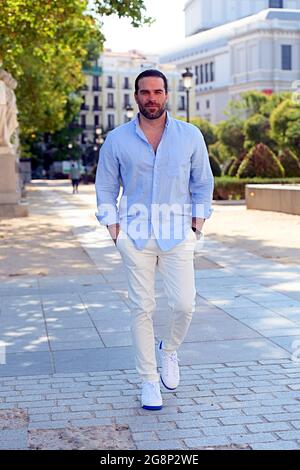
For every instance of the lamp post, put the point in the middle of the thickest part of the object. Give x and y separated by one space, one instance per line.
129 112
187 85
70 147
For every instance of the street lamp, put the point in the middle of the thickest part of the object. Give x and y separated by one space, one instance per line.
129 112
187 85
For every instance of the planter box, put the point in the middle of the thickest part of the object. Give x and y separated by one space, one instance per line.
274 197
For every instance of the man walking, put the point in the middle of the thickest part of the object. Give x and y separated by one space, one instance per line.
167 182
75 176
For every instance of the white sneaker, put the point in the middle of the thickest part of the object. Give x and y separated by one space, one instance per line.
151 396
169 368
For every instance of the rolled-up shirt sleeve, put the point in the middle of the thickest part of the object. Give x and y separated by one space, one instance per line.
201 180
107 184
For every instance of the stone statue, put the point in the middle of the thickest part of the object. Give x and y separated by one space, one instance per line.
8 108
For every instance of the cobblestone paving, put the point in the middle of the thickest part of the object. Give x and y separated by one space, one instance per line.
253 405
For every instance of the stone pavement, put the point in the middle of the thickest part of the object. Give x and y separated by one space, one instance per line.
68 356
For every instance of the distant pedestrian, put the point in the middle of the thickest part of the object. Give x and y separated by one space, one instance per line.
167 193
75 176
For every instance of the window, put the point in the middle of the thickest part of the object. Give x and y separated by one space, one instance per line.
83 121
110 82
198 106
181 106
96 83
197 74
111 121
206 73
126 100
275 3
83 138
212 71
201 74
286 57
96 120
126 83
110 100
207 104
96 102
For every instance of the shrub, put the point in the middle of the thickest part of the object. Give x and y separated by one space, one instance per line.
236 164
228 165
215 166
260 161
219 151
290 163
227 188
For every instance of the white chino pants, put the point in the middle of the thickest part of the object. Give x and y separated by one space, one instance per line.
177 269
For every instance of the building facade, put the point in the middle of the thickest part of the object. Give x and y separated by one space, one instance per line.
109 91
259 52
201 15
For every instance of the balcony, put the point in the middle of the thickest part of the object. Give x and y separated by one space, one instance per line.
110 106
97 88
84 107
127 86
97 108
95 70
181 108
127 105
110 85
180 88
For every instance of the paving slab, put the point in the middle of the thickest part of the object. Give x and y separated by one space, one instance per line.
70 341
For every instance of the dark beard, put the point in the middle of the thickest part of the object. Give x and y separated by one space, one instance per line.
152 116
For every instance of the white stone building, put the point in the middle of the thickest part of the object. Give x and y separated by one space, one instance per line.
257 52
110 88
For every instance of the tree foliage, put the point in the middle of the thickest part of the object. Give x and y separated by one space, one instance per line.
257 130
208 130
44 44
285 125
133 9
231 135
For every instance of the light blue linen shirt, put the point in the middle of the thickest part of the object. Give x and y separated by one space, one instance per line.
162 191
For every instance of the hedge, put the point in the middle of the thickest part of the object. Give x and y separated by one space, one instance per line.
229 188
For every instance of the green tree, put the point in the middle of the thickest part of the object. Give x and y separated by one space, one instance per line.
231 135
208 130
44 44
285 125
257 130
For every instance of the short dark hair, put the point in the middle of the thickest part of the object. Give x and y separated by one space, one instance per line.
150 73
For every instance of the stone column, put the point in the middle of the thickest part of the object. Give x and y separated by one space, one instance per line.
10 205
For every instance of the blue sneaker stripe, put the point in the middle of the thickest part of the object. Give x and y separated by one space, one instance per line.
168 388
153 408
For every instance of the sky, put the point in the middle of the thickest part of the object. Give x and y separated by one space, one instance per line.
167 30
